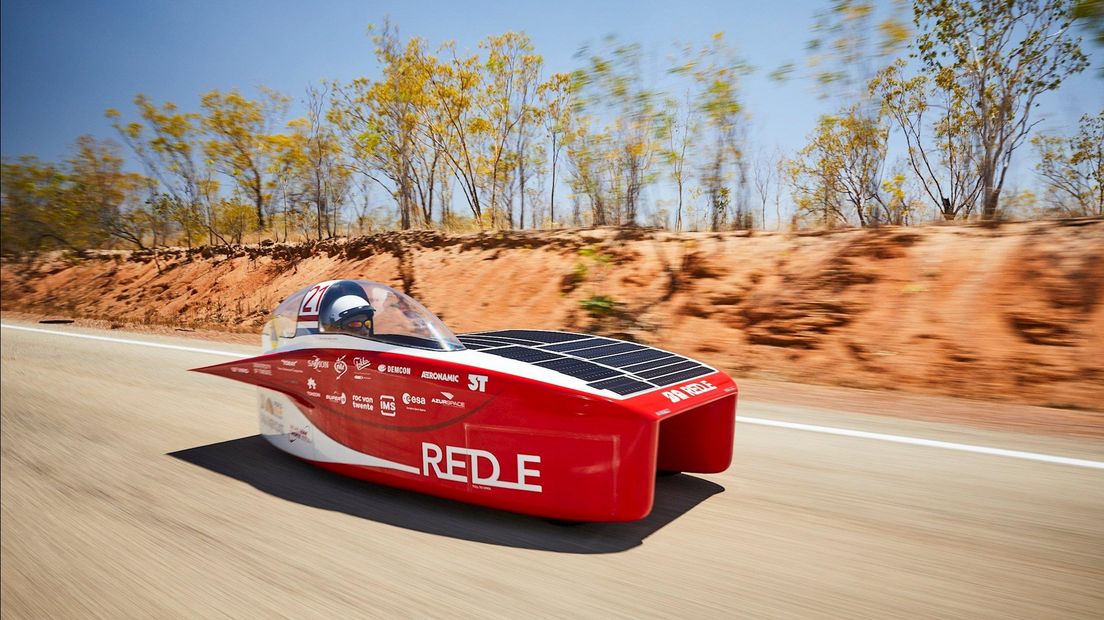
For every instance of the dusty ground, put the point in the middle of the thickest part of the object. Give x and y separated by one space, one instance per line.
133 488
1014 312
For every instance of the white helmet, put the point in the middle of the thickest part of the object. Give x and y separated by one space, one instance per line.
348 313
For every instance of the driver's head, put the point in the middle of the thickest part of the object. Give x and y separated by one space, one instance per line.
349 314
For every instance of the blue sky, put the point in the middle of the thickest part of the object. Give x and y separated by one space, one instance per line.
65 61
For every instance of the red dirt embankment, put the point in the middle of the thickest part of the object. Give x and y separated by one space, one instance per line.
1014 312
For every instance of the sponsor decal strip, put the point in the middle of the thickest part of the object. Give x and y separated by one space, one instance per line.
901 439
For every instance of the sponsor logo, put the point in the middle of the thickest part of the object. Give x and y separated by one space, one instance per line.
360 363
289 363
336 398
409 399
311 383
479 467
395 370
240 371
273 408
299 433
317 364
684 392
387 405
272 414
262 369
340 366
363 402
271 426
448 401
477 383
441 376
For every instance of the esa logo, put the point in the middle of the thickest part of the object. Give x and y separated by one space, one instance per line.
477 383
409 399
690 389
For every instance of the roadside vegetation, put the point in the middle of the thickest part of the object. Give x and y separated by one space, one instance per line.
487 139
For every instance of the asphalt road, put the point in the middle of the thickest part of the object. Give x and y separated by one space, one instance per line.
131 488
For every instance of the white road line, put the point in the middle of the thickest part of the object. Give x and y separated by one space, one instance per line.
812 428
930 443
142 343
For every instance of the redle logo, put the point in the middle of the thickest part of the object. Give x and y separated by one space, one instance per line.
690 389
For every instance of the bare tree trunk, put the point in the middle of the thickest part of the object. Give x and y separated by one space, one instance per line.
552 198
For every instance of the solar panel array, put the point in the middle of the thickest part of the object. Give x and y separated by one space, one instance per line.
604 363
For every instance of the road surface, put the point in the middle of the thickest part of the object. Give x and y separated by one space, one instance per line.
131 488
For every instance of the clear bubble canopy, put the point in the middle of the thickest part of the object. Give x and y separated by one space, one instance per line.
363 309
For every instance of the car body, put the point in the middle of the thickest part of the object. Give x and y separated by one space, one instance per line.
362 380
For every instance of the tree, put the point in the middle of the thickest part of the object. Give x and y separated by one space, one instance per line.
167 145
379 120
852 42
764 179
1073 167
679 130
612 87
104 199
30 220
239 139
85 202
309 168
556 107
454 124
994 59
716 70
840 169
941 151
511 70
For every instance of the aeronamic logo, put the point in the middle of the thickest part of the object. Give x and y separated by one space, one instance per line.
441 376
340 366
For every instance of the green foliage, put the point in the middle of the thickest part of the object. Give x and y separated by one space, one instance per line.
86 201
838 173
1073 167
598 306
993 60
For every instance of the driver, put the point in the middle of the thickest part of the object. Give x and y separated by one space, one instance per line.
349 313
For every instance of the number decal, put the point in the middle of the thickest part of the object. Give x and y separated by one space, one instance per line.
313 298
